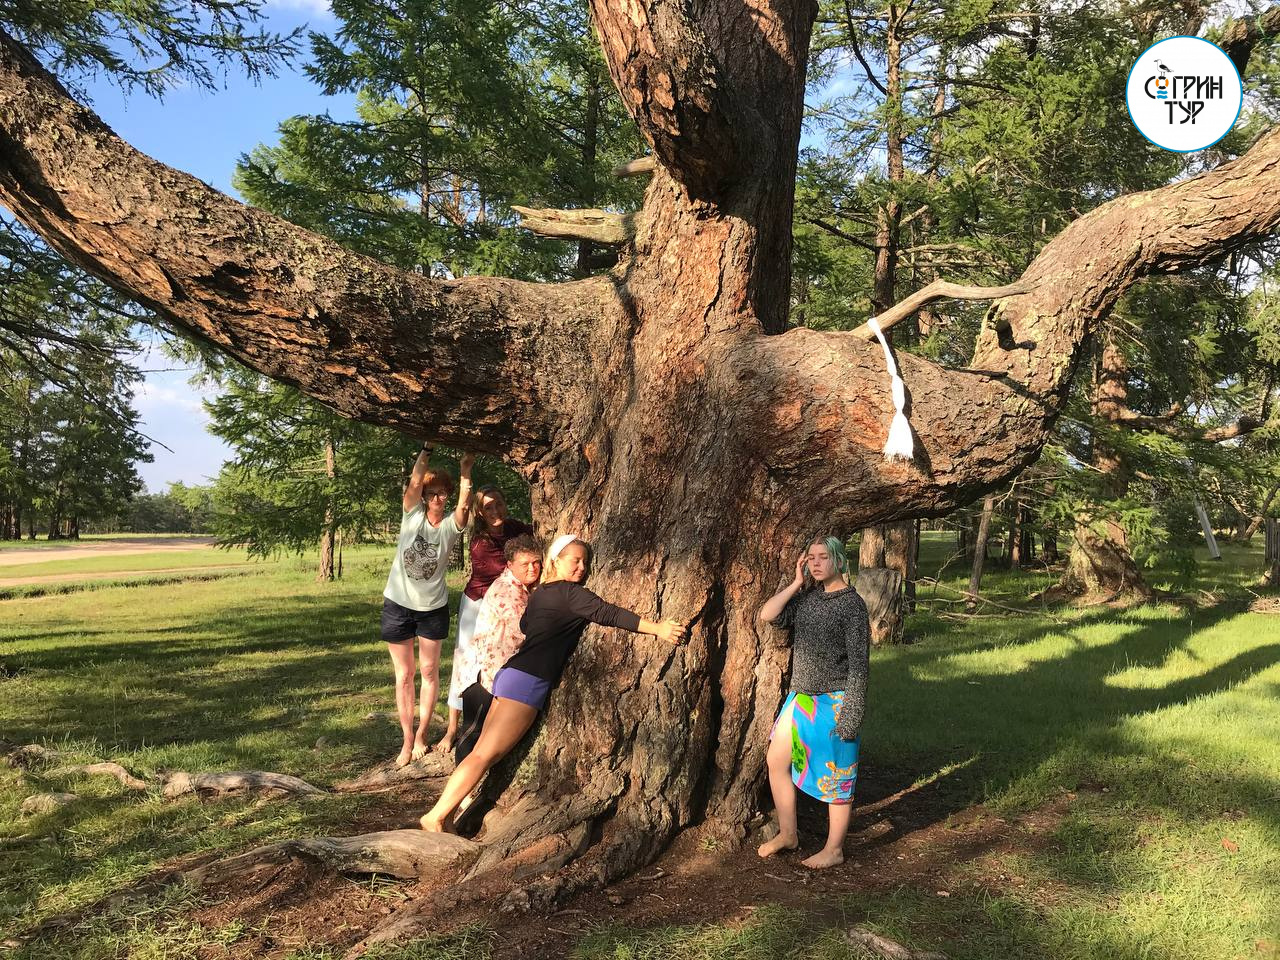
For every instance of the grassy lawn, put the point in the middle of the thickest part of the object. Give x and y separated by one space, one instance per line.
1161 724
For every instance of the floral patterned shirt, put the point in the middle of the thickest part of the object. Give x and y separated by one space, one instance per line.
497 635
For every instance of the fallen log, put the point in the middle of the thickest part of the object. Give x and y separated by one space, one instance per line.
241 781
405 854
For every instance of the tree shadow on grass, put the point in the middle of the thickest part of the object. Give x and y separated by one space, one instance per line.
233 683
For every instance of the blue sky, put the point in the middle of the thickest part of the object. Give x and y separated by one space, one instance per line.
204 133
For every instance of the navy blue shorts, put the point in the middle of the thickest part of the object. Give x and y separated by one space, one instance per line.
400 623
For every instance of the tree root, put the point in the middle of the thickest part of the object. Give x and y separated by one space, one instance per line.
46 803
889 949
549 844
387 775
405 854
102 769
243 781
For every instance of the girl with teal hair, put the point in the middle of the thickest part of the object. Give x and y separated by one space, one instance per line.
814 743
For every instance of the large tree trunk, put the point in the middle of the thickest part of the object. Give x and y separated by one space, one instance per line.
329 535
1248 533
892 546
980 552
1100 564
664 412
1272 552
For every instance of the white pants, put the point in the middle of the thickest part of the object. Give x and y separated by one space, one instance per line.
468 611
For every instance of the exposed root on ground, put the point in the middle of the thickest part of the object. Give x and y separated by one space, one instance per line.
241 781
387 775
397 853
889 949
101 770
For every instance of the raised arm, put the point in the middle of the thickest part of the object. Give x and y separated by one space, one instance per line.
413 492
773 607
462 512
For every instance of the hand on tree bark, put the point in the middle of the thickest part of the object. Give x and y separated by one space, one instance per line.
673 631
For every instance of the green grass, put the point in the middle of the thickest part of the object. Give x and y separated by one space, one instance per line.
242 673
1163 721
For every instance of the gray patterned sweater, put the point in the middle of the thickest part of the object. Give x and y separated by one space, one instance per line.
830 649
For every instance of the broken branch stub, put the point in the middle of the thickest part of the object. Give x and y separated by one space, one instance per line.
598 226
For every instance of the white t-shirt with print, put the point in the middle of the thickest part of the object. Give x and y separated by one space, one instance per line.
422 557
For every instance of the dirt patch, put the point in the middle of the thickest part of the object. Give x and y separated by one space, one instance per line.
913 837
113 574
81 550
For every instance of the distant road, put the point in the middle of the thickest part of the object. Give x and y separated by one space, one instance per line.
83 549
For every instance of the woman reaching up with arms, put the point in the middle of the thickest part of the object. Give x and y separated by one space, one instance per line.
553 623
416 601
814 744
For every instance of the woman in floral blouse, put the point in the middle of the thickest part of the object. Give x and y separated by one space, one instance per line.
497 636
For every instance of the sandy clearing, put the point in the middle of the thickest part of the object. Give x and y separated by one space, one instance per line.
114 574
99 548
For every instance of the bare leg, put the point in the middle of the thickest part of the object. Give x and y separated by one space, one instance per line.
451 734
778 760
838 826
507 722
429 665
402 661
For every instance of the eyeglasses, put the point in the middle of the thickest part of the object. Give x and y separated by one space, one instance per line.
437 495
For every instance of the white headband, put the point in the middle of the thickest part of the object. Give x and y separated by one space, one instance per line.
559 543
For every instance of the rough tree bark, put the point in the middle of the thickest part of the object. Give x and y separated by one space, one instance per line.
329 535
980 552
627 399
1100 562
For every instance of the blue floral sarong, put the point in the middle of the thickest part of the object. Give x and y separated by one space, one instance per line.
822 765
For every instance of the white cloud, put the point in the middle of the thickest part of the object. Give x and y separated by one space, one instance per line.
318 8
154 396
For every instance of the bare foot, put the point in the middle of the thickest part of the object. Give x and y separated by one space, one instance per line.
419 750
403 758
446 744
824 858
778 844
432 824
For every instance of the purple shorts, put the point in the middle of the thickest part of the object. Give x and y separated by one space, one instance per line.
511 684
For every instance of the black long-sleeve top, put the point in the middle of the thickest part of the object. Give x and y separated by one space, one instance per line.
553 623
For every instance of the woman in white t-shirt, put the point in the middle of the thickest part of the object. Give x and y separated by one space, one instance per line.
416 601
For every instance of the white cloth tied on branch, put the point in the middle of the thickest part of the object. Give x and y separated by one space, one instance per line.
901 444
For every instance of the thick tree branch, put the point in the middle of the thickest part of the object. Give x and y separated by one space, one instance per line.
1241 36
673 86
1169 426
454 360
975 428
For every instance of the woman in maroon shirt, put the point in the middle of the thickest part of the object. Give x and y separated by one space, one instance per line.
489 535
